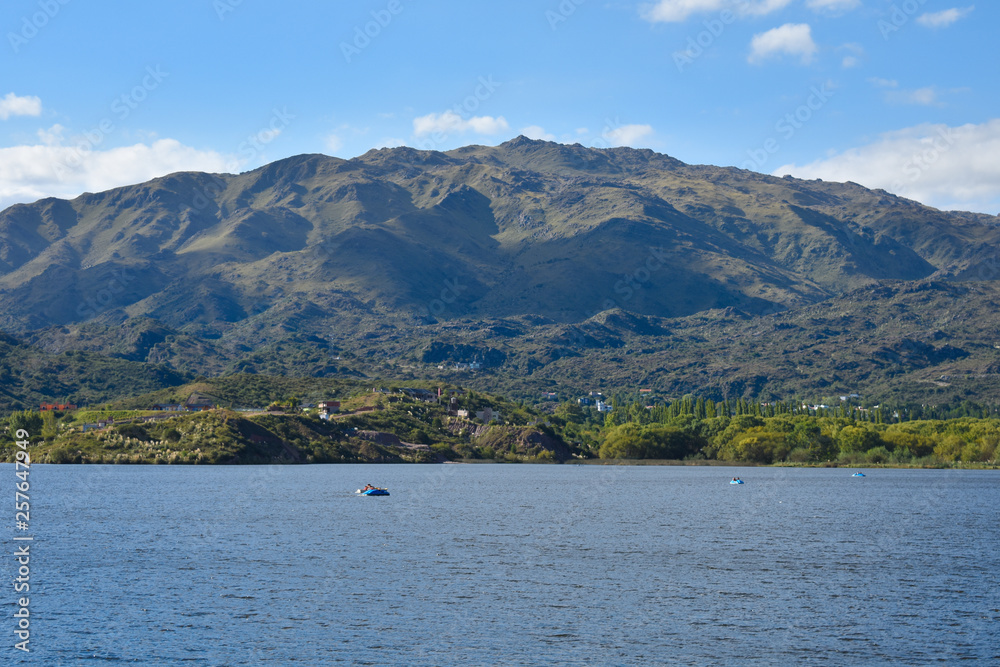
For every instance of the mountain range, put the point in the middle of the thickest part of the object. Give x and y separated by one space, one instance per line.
544 265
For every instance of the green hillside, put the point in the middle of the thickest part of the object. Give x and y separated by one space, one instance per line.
522 268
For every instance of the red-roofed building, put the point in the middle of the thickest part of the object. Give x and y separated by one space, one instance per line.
61 407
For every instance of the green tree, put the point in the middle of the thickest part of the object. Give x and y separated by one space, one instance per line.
632 441
904 441
571 412
26 420
860 438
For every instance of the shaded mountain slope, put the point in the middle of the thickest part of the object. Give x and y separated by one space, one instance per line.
525 227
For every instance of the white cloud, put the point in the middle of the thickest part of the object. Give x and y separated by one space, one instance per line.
537 132
628 135
833 6
12 105
945 18
52 136
53 169
676 11
450 122
883 83
793 39
922 96
855 54
333 143
946 167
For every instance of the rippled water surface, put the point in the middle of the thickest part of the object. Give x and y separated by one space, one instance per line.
510 564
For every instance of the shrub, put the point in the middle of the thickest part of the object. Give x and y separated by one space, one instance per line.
857 439
913 443
878 455
133 431
62 455
631 441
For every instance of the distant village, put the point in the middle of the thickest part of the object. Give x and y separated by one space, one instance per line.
330 409
325 410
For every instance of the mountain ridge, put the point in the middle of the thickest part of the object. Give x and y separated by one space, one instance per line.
330 253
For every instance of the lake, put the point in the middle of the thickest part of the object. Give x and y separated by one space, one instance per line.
508 564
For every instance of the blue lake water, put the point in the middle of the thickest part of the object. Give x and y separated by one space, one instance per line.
508 564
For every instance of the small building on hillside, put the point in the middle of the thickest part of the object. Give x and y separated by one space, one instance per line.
603 407
420 394
488 415
99 426
198 402
329 406
168 407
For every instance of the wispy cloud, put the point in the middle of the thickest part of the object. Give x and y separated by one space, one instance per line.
333 143
855 54
879 82
676 11
921 96
944 18
794 39
12 105
833 6
926 96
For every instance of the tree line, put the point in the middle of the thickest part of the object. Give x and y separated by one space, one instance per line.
698 428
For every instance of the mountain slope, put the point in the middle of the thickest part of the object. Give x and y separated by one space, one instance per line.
526 246
525 227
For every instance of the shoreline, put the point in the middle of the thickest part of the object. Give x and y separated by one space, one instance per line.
574 462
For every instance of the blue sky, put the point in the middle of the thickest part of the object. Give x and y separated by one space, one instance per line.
897 94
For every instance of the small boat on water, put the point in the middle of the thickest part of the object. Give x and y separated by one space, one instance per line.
858 474
736 481
373 492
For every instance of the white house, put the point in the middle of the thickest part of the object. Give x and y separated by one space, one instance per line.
488 415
